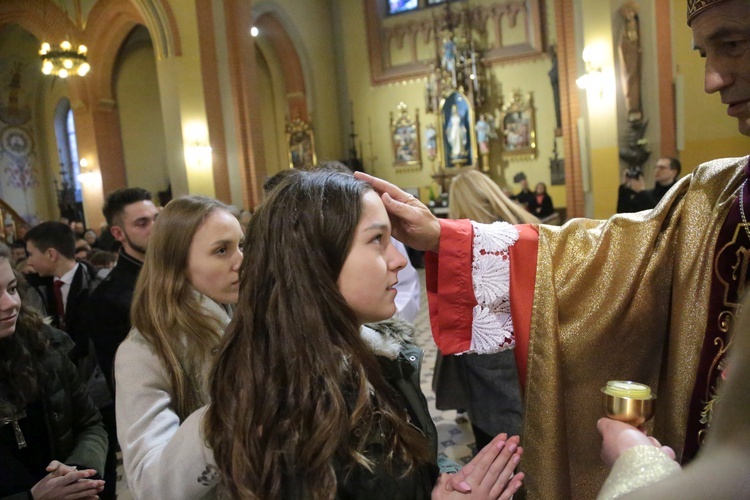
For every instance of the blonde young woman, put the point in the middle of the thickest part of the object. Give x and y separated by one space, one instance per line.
486 386
182 302
475 196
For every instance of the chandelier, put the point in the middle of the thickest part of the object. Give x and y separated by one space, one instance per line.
64 61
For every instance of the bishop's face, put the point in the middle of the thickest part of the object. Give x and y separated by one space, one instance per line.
721 35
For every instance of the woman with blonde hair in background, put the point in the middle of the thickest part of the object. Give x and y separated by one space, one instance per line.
475 196
183 301
485 386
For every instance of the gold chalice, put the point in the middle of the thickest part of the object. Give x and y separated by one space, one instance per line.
628 402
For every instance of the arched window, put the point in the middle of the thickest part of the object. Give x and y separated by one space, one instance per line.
69 193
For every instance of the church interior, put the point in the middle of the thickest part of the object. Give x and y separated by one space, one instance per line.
214 97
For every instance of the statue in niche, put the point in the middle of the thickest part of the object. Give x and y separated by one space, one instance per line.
630 60
448 61
456 135
484 134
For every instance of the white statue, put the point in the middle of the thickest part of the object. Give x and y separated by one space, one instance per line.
456 135
484 134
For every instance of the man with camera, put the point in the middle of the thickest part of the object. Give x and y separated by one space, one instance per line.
665 174
632 195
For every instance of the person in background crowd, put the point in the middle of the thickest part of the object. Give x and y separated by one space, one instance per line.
19 251
183 301
666 173
83 249
91 239
103 261
52 442
525 195
541 204
632 195
130 214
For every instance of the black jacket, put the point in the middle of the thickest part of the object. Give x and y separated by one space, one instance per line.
659 191
629 201
402 372
74 425
542 210
84 282
108 318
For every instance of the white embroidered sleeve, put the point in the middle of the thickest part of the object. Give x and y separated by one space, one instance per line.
492 326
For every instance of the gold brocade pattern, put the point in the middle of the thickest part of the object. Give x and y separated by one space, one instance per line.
637 467
609 297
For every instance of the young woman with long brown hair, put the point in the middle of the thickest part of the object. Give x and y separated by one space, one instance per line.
52 441
182 302
307 401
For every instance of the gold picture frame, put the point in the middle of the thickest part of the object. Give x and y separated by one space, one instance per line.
517 126
405 140
300 140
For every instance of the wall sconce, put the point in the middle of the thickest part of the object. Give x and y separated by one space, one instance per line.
199 153
85 172
197 150
593 79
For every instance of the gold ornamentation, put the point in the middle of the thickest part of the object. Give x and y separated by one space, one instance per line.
695 7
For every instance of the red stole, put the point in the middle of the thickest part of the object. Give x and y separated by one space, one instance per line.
730 273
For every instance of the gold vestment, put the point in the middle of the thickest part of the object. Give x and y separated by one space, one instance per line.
625 299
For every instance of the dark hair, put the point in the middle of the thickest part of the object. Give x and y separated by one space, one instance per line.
334 166
276 179
20 354
18 244
116 202
294 388
675 164
55 235
101 258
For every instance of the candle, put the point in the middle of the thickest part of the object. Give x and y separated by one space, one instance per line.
627 389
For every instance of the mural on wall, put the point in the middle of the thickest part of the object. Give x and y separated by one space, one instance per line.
17 147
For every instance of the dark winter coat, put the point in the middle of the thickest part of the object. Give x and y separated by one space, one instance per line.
400 360
108 317
74 425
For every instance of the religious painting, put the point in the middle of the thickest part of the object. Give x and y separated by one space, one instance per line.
398 6
405 139
515 121
301 141
457 140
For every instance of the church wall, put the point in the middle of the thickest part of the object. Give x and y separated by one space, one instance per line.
273 107
372 105
184 111
137 95
309 26
49 95
25 171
